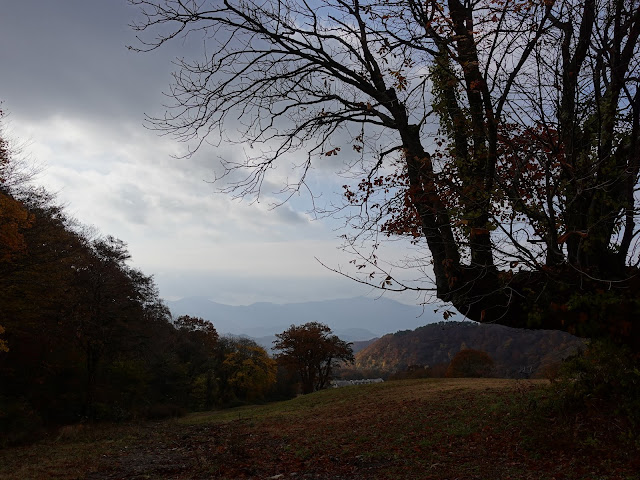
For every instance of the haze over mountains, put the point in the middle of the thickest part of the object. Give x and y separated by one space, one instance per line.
352 319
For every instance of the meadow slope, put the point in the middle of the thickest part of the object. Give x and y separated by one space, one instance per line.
422 429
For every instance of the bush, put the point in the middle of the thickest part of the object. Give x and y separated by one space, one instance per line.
550 371
469 363
603 378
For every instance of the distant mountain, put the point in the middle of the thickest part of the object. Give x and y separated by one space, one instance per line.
514 351
351 319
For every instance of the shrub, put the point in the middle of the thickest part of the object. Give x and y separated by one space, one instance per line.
550 371
603 378
470 363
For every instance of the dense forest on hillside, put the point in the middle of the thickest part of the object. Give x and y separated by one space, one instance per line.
85 337
516 352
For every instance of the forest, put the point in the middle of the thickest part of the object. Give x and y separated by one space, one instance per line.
85 337
427 351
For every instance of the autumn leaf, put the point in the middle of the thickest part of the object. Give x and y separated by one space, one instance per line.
447 314
332 152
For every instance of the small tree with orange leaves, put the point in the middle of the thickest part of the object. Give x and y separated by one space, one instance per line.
311 351
470 363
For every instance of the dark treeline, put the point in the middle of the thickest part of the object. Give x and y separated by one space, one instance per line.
86 337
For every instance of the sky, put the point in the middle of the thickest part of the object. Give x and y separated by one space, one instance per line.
76 98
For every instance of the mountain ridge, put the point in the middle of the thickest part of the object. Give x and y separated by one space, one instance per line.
373 317
516 351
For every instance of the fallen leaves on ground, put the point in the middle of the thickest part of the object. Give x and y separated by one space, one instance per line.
471 429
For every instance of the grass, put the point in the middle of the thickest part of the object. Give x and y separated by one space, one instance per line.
422 429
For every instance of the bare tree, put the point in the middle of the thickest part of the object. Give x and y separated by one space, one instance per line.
502 133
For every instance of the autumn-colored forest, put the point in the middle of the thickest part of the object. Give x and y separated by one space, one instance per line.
85 337
517 353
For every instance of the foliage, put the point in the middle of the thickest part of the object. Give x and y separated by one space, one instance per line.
165 410
199 328
107 314
517 352
250 372
603 377
14 218
311 352
19 423
84 336
90 338
470 363
196 345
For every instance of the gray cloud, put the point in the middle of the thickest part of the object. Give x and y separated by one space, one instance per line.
71 58
79 96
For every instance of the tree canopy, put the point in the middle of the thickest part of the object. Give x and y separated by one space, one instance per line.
250 372
502 135
312 352
470 363
83 335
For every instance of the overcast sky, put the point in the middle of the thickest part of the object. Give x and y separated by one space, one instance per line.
77 96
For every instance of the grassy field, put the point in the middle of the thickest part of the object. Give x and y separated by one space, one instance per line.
422 429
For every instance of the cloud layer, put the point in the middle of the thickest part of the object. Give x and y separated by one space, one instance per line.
78 96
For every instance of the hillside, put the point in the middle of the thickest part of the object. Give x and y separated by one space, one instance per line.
428 429
516 352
